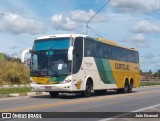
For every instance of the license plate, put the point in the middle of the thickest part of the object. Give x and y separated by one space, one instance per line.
48 88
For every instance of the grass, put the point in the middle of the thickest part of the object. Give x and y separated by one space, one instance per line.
13 72
14 90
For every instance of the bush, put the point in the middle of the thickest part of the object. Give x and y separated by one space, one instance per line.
13 72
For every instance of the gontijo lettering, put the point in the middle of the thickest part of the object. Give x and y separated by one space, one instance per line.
122 66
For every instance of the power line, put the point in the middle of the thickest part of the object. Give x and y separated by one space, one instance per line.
95 32
95 15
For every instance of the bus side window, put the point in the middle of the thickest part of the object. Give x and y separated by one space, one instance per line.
75 62
105 53
77 54
106 56
89 48
88 53
109 53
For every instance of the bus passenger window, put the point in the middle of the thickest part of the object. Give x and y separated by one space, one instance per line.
88 53
106 56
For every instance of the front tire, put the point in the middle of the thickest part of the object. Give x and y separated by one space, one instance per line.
88 90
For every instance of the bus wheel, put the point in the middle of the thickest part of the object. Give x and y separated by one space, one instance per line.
130 86
88 90
54 94
100 92
123 90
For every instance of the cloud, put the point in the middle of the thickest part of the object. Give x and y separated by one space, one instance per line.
138 40
142 6
84 16
13 47
16 24
61 22
74 20
148 56
145 26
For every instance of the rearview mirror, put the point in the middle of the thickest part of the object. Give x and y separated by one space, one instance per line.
30 51
70 53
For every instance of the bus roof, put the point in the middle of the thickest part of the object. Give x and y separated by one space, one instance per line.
112 43
62 35
83 35
106 41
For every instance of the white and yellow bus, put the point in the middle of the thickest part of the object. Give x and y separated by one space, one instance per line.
79 63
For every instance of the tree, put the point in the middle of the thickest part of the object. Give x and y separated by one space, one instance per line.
11 58
157 74
150 71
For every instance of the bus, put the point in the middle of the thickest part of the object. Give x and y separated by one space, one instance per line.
68 63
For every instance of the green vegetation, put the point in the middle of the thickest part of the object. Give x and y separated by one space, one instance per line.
13 72
1 56
150 76
149 83
157 74
14 90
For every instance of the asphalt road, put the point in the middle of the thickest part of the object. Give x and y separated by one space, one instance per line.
140 100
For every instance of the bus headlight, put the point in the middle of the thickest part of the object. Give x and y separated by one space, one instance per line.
65 81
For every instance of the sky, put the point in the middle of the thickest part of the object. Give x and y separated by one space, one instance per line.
130 23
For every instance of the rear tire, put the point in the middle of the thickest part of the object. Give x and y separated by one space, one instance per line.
130 86
54 94
88 90
125 89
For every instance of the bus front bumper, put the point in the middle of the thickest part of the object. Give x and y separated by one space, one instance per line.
51 87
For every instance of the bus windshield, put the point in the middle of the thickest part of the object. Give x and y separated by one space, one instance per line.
50 57
52 43
50 63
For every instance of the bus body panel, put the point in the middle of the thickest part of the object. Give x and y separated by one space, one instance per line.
51 87
51 83
89 69
124 70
